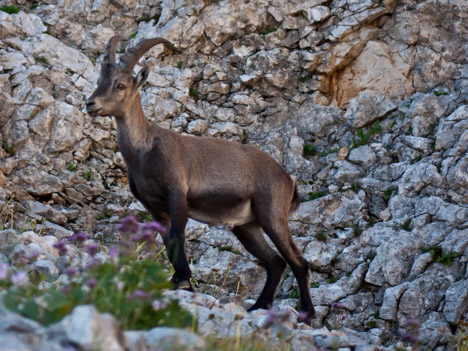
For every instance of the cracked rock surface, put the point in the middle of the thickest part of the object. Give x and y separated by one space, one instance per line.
365 104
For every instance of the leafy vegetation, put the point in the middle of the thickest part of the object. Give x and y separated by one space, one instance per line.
326 153
10 9
416 159
310 150
315 195
267 31
440 93
439 256
41 59
389 193
228 248
363 137
193 93
89 176
407 225
321 236
10 149
71 167
129 289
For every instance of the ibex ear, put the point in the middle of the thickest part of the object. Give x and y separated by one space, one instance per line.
141 77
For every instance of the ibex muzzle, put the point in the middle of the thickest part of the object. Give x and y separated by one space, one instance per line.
211 180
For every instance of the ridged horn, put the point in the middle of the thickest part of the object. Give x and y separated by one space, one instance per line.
131 57
109 57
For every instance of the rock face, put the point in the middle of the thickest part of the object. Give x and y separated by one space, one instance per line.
365 103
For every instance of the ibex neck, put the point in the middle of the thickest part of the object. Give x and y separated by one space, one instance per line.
133 130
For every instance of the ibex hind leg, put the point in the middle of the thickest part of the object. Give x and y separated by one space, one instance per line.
278 231
251 236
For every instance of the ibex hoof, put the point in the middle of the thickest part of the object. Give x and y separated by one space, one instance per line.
184 285
306 317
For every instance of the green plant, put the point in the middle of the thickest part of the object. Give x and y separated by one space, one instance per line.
228 248
124 286
462 340
295 294
310 150
133 35
41 59
314 285
315 195
245 136
389 193
437 253
332 279
193 93
416 159
321 236
305 78
179 64
10 149
267 31
440 93
71 167
251 342
326 153
357 229
363 138
371 324
10 9
355 186
89 175
407 225
410 130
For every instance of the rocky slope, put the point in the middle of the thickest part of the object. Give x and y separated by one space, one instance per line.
363 102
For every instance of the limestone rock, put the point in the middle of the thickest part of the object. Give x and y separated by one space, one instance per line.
367 107
378 69
86 327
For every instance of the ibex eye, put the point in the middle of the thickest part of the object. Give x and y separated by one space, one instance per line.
121 86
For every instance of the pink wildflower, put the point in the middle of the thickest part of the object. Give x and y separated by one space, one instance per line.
128 224
3 271
159 305
19 278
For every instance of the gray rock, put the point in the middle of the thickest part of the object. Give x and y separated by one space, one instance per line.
425 111
67 131
330 211
456 301
425 293
86 327
389 307
367 107
451 128
363 155
418 176
37 182
393 258
168 338
329 293
315 121
46 211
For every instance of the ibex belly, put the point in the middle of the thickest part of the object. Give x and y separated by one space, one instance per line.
223 215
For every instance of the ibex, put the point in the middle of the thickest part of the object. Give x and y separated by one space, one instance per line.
211 180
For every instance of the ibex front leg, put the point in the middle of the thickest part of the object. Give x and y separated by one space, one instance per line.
175 241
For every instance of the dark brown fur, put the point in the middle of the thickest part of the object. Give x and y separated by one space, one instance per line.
211 180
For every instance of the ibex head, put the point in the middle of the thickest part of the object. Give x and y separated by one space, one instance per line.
117 86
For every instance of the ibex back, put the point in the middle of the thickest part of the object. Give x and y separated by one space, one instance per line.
210 180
